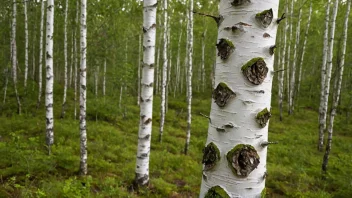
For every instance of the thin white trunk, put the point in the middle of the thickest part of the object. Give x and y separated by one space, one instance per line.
40 70
338 90
164 75
146 103
157 86
294 61
178 61
283 63
71 63
14 55
6 76
65 59
76 60
83 89
49 95
139 69
26 44
96 81
289 53
322 112
104 77
189 78
304 50
185 66
203 60
120 100
239 112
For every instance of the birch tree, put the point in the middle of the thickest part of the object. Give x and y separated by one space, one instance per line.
164 75
146 100
83 89
65 59
203 60
335 101
327 78
283 64
40 70
104 77
139 68
304 49
49 95
26 44
76 61
189 77
294 61
235 154
14 54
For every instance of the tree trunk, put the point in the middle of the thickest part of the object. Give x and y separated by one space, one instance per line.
146 103
139 69
40 70
6 76
234 159
303 51
294 61
189 78
338 90
104 77
14 55
71 63
66 65
76 60
96 81
329 61
26 45
83 89
177 82
288 68
164 75
49 96
283 63
120 100
322 111
203 60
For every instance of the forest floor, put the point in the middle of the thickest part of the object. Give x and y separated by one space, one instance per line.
294 164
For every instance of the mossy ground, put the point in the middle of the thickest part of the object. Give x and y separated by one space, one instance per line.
294 165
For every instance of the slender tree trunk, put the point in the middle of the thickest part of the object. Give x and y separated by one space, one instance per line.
164 75
178 61
14 55
6 76
26 45
303 51
283 63
146 103
66 65
189 78
83 89
120 100
40 70
76 60
203 59
139 69
104 77
71 63
338 90
49 95
294 61
96 81
288 69
185 66
234 159
169 68
326 90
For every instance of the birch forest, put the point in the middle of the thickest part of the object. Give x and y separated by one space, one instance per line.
176 98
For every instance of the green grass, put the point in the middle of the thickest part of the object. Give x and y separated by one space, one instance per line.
294 165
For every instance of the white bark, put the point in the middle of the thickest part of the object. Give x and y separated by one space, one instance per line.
14 55
104 77
146 103
178 61
289 53
120 100
235 123
26 44
83 89
322 112
139 69
203 60
6 76
76 61
189 78
40 70
304 50
71 62
283 64
294 61
66 65
164 75
338 90
328 69
96 81
49 96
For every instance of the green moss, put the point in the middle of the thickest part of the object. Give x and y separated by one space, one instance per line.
232 46
262 113
251 62
230 154
211 156
216 192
